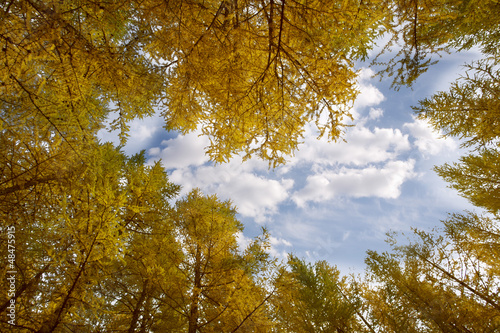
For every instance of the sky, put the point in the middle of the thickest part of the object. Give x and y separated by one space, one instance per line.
330 201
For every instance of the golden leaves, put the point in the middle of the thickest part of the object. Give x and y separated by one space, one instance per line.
253 87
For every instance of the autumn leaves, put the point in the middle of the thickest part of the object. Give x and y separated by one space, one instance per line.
100 245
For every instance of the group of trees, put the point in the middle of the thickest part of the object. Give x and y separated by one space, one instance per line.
103 244
448 280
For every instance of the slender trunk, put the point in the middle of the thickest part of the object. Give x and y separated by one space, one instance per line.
55 318
193 310
146 316
24 287
484 297
137 309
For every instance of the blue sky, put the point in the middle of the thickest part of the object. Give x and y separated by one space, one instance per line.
331 201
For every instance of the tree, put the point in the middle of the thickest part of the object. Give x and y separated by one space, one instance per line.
439 283
74 233
66 234
469 110
424 30
476 178
130 286
216 288
68 64
387 305
448 280
315 298
479 235
255 72
250 74
181 269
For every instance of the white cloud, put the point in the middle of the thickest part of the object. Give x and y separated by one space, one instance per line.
254 196
278 247
258 193
242 241
369 94
452 68
182 151
362 146
375 113
382 182
140 132
428 141
279 241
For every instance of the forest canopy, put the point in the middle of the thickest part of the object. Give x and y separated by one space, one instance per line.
248 74
102 241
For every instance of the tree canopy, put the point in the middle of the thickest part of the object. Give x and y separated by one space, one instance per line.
250 74
104 243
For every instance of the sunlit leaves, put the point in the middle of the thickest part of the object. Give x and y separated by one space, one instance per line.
470 109
217 289
477 178
438 283
67 234
67 64
315 298
422 31
251 74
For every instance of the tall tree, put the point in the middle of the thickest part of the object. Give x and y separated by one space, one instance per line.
66 235
315 298
477 178
218 289
470 112
255 72
438 283
147 259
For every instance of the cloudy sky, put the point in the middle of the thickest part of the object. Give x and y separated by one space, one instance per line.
331 201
